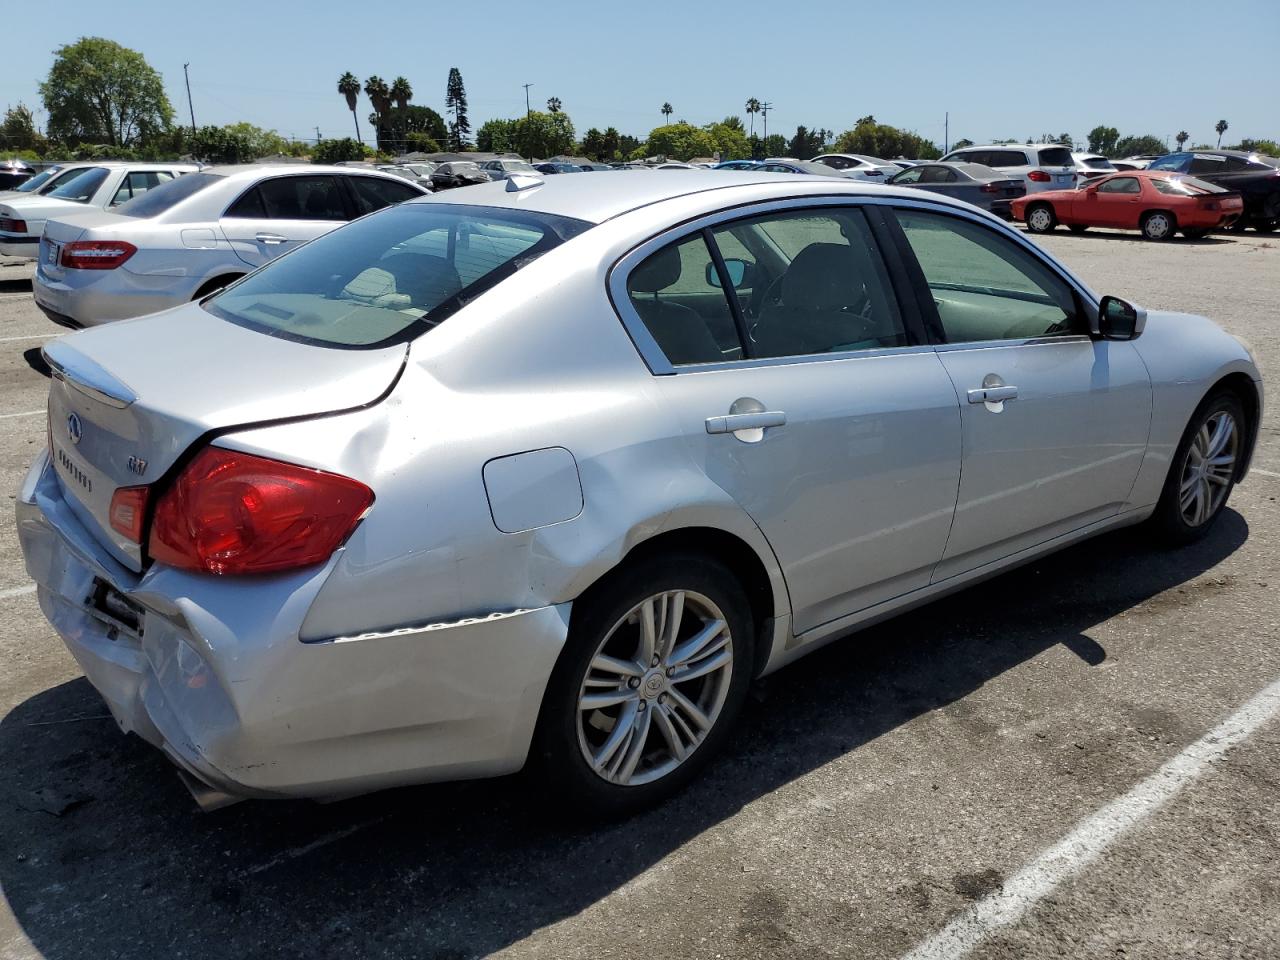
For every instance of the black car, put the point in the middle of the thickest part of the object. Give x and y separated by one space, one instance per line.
1254 176
13 173
458 173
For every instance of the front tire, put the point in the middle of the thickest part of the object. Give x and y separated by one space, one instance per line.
1203 471
652 678
1158 226
1041 218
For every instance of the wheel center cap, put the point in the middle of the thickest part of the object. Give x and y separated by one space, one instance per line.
654 683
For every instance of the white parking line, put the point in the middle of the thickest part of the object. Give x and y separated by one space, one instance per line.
1092 836
24 413
34 336
17 296
17 591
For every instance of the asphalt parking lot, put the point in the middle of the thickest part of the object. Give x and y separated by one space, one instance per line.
1077 759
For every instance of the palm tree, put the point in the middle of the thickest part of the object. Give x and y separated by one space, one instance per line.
553 105
349 87
400 92
753 107
1182 138
667 110
1221 127
379 94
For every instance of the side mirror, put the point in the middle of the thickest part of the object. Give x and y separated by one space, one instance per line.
740 273
1119 319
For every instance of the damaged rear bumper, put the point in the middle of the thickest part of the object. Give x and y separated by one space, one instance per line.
211 670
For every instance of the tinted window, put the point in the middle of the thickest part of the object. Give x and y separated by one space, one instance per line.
80 185
302 198
1005 158
938 175
1120 185
1175 161
248 205
38 181
1056 157
828 291
167 195
986 287
374 193
1098 163
1201 164
838 163
138 182
391 276
688 317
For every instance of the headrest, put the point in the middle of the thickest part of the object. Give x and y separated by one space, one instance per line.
658 272
823 276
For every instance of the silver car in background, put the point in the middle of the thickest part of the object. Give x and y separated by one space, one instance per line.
1043 166
187 238
859 167
547 473
988 189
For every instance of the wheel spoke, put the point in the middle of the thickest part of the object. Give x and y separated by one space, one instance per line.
691 711
673 613
626 720
1189 494
1222 432
693 647
704 666
1205 498
648 632
600 701
635 746
603 663
662 717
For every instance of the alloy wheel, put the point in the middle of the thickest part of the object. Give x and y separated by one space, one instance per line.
1157 226
1039 219
655 687
1209 468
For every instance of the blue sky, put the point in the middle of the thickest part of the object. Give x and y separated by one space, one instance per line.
1001 69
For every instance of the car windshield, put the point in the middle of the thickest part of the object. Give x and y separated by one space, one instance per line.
392 276
1174 161
38 181
160 199
80 185
461 167
1098 163
519 166
1056 157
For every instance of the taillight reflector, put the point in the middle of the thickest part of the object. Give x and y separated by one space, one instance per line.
96 254
236 513
10 225
128 511
1039 176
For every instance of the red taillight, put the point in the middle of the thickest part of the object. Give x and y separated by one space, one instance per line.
1039 176
235 513
97 254
10 225
129 510
874 173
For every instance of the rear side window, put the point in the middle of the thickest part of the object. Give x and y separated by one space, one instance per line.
392 276
1120 185
1201 164
1056 157
167 195
374 193
1005 158
80 185
938 175
138 182
303 198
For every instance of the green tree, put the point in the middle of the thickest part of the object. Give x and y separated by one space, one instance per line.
395 125
349 87
628 145
875 139
593 145
1182 138
220 145
679 141
417 142
1267 148
1103 140
333 151
1221 128
774 145
100 92
666 111
554 105
805 144
379 95
400 92
961 144
18 131
753 107
543 134
455 101
1135 146
496 136
729 139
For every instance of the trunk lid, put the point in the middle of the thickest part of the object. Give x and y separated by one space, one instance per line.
59 232
129 399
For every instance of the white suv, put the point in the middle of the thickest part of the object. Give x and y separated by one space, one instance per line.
1044 166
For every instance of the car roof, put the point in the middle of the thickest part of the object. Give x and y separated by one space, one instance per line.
597 199
251 171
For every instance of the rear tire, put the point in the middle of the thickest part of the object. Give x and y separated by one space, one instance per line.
1203 471
1078 227
217 283
1041 218
578 750
1158 225
1266 227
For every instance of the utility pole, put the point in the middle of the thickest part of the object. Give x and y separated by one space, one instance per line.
946 134
189 106
318 137
526 99
764 113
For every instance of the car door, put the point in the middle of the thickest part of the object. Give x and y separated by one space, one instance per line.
275 215
1055 422
836 428
1115 202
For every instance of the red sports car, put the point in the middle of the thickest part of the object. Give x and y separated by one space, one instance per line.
1154 201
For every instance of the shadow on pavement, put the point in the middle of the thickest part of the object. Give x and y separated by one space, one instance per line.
15 284
1103 233
103 855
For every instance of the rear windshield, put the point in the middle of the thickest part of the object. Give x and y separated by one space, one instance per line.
1186 186
1056 157
80 185
390 276
39 180
1098 163
159 199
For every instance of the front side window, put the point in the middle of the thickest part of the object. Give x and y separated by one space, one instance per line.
1120 185
392 276
985 286
80 185
374 193
912 175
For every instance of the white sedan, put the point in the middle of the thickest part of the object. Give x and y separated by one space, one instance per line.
859 167
98 186
194 235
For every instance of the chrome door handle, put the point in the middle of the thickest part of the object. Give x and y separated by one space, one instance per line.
733 422
271 238
993 394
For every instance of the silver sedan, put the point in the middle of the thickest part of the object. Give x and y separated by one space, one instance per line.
546 475
182 240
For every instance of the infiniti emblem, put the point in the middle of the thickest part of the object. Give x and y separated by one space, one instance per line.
74 428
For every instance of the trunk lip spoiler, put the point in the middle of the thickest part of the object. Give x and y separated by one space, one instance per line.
84 375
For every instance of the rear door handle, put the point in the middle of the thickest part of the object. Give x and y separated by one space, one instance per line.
993 394
271 238
733 422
